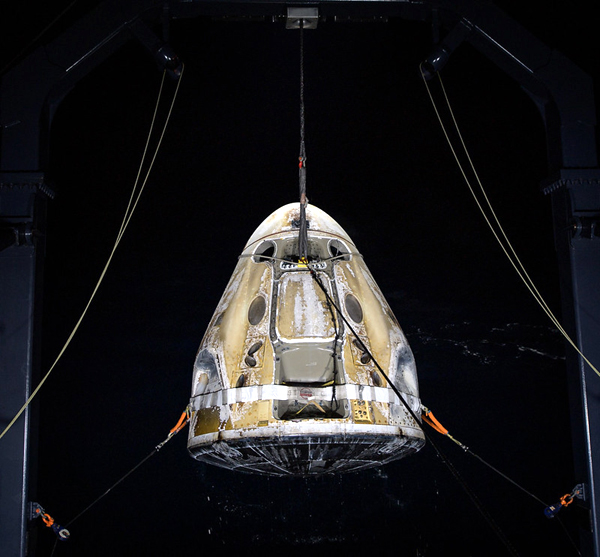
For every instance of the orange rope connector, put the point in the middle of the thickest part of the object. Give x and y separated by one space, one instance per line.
183 420
431 420
566 500
38 511
181 423
552 510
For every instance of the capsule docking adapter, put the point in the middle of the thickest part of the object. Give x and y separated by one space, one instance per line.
281 385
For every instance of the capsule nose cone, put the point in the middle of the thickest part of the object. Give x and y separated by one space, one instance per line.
287 218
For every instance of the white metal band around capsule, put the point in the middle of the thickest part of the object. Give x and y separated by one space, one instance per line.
284 392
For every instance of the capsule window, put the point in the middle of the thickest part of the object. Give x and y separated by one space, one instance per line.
218 319
353 308
339 250
406 378
264 252
256 311
206 376
376 379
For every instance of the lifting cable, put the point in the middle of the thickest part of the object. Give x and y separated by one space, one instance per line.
505 244
133 201
303 232
303 225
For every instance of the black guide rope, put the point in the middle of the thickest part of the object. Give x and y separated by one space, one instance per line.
121 479
439 453
470 493
183 421
98 499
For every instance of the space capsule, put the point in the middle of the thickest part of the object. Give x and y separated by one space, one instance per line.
285 385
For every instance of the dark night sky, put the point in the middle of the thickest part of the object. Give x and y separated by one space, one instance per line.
489 364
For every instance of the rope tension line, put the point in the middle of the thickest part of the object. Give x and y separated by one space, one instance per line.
183 421
508 249
578 492
133 201
469 492
426 414
550 511
62 534
431 420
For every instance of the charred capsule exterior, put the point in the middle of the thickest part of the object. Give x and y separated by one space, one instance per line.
281 385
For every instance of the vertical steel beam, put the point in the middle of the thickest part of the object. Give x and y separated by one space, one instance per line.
576 211
22 211
30 94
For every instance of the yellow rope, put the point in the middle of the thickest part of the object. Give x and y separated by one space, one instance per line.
514 259
126 219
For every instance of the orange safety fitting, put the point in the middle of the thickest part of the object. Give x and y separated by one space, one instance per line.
61 533
566 499
431 420
552 510
183 420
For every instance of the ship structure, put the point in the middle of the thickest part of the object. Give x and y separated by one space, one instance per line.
288 378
